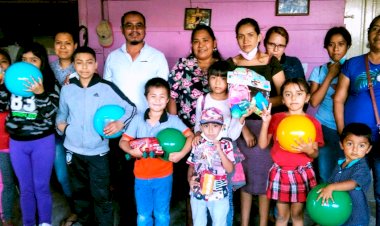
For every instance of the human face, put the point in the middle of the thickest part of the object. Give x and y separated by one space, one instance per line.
211 130
157 98
247 38
355 147
276 45
64 46
133 29
85 65
374 37
337 47
294 98
31 58
4 63
218 84
203 45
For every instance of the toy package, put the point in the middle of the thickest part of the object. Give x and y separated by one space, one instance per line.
246 89
149 146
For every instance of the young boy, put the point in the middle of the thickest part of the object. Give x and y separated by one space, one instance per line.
87 151
352 174
153 176
210 161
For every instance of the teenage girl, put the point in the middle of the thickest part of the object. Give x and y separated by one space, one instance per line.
7 185
323 80
30 124
291 175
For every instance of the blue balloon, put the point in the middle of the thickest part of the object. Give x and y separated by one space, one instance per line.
17 77
105 115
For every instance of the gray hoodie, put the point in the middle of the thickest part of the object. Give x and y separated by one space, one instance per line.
77 107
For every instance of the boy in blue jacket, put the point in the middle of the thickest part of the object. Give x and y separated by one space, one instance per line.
87 151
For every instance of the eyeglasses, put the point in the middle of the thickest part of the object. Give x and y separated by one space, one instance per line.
129 26
272 45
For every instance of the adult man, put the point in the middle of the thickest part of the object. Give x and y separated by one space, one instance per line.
135 62
130 67
353 101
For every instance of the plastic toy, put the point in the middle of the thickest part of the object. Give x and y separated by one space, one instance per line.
19 75
292 128
331 214
247 89
149 146
105 115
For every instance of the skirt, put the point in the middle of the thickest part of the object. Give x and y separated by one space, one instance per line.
257 162
290 185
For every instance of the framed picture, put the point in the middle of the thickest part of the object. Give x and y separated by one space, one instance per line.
195 16
292 7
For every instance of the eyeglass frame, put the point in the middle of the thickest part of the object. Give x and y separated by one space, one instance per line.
274 45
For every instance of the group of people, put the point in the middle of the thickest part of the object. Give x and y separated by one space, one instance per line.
57 131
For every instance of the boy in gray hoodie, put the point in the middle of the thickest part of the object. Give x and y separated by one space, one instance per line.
87 151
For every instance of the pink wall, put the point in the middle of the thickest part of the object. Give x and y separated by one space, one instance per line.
165 20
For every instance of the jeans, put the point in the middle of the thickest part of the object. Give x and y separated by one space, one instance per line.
7 187
33 163
61 167
90 179
218 210
153 199
328 154
230 215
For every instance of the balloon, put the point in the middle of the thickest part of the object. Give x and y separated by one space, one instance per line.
292 128
171 140
331 214
17 77
105 115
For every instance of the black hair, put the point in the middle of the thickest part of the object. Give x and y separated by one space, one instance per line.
249 21
219 68
84 49
6 55
132 13
202 27
357 129
301 82
40 51
372 24
276 30
337 31
157 82
72 33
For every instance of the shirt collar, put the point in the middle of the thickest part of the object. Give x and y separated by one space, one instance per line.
341 161
163 118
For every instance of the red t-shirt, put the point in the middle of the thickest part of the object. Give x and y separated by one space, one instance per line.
285 159
4 136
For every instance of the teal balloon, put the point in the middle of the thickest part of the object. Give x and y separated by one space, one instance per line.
18 76
171 140
332 214
105 115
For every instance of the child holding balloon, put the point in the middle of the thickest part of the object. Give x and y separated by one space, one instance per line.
7 185
87 151
292 174
30 124
154 176
352 173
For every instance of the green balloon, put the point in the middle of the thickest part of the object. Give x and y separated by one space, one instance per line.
332 214
171 140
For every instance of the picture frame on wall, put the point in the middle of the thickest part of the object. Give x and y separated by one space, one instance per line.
195 16
292 7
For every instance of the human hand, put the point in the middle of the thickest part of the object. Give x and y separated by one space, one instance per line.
196 139
194 182
175 156
113 127
266 116
334 69
249 138
325 194
136 152
35 86
308 147
67 80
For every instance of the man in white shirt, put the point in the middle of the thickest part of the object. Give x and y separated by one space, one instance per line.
135 62
130 67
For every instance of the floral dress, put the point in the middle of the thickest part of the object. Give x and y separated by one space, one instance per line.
187 83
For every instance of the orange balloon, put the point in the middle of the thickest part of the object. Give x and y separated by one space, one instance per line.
294 127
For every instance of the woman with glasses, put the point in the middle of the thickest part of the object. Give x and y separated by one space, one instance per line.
258 161
275 42
323 80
